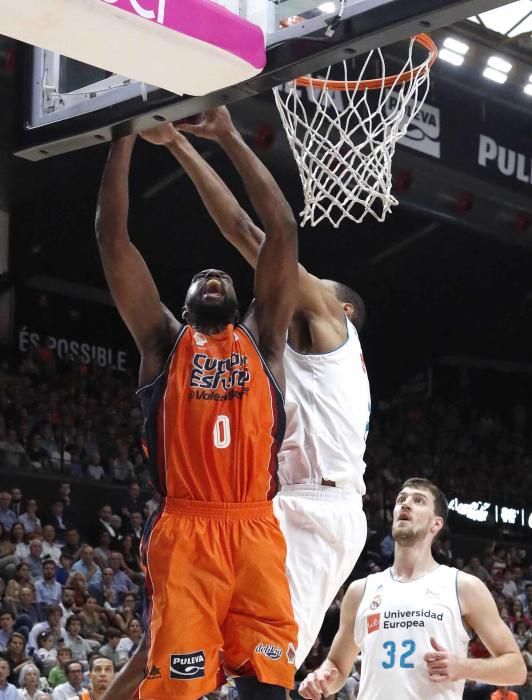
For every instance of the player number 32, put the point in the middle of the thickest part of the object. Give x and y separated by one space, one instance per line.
222 432
408 647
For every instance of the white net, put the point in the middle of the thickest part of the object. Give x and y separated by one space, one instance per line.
344 139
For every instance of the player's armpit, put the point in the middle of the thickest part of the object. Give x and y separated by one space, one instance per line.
479 611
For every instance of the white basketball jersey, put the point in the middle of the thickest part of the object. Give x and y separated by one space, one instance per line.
327 407
393 627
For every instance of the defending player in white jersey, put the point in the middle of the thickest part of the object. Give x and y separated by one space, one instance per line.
412 622
321 463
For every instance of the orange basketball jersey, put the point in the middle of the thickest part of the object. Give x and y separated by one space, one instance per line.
214 420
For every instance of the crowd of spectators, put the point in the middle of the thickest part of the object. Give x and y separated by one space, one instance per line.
70 587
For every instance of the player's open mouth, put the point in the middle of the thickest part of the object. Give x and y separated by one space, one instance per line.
404 516
213 289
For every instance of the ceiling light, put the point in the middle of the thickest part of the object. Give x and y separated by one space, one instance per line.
327 7
528 89
456 46
451 57
499 64
495 75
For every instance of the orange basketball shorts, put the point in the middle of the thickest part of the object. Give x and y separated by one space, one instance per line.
218 598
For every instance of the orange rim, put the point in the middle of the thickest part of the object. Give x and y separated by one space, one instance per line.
377 83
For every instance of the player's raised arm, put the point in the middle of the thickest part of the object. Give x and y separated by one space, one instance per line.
331 676
129 279
276 269
506 665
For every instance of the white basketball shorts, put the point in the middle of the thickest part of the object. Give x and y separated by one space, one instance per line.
325 531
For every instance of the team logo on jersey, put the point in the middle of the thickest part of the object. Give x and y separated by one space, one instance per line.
291 654
187 666
269 650
199 339
374 622
223 374
377 600
155 672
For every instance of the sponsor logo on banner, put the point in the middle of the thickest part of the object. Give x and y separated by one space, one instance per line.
425 130
508 162
269 650
187 666
374 622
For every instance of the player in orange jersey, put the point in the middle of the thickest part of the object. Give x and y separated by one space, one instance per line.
212 394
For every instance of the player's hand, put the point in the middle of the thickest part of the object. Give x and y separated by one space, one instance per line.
318 684
216 124
162 135
442 665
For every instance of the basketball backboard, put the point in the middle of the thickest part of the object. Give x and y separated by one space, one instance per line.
70 106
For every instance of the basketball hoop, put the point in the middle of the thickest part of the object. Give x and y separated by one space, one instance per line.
344 136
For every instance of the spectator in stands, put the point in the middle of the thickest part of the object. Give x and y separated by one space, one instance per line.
79 647
509 588
126 612
46 652
122 470
34 561
65 567
7 690
57 675
91 622
68 604
527 652
17 537
37 455
22 577
103 524
134 503
116 524
88 567
110 597
526 599
121 583
8 558
48 440
77 582
475 568
74 674
152 505
522 633
56 517
127 645
27 610
47 588
29 518
7 516
129 548
70 507
52 624
50 548
95 469
29 684
7 624
16 501
15 655
103 551
13 458
72 543
111 639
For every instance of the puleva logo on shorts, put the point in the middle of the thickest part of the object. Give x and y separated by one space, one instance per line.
269 650
374 622
187 666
